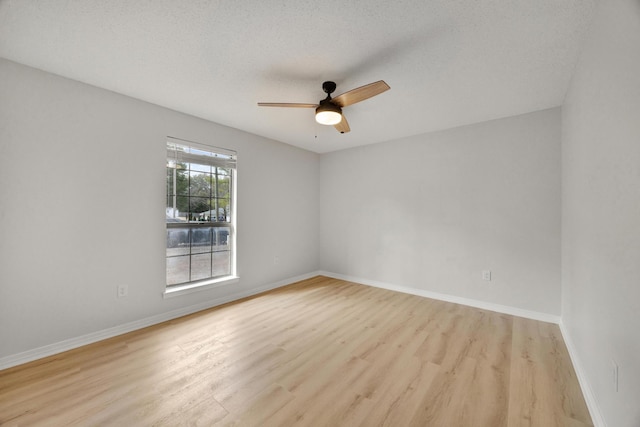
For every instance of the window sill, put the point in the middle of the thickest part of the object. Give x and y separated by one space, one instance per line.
189 288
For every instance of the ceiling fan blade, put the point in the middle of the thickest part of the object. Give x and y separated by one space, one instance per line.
343 126
361 93
284 104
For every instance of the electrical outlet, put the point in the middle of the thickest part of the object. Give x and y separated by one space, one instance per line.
123 291
486 275
614 375
276 260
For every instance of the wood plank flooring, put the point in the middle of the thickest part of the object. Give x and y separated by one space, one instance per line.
321 352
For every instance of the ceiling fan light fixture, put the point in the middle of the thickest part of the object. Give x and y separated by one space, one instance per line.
328 113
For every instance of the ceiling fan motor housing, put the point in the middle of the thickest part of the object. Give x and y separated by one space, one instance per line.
328 87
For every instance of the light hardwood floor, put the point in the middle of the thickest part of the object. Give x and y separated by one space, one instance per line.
321 352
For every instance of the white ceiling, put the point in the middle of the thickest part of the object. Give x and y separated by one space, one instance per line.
448 62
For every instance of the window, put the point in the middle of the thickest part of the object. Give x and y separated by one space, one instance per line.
200 213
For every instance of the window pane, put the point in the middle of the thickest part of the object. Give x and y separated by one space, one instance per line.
170 181
199 184
174 215
221 263
182 205
221 238
177 241
203 216
200 240
177 270
222 187
182 182
224 210
199 205
220 211
200 266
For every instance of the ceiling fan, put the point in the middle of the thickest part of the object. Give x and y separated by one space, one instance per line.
329 110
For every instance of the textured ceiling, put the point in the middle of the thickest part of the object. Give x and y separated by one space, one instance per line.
449 63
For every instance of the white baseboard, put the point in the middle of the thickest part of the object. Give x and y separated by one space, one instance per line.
587 391
514 311
69 344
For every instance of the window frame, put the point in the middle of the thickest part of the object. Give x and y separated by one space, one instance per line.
183 151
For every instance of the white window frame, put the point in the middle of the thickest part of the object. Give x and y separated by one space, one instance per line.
179 150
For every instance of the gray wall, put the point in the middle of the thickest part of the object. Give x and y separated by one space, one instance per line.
601 210
432 211
82 208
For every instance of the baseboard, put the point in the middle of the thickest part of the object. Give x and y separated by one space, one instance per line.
514 311
587 391
69 344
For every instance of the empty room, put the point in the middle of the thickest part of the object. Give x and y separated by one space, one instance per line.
293 213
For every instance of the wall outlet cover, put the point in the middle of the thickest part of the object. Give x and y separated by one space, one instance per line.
123 291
